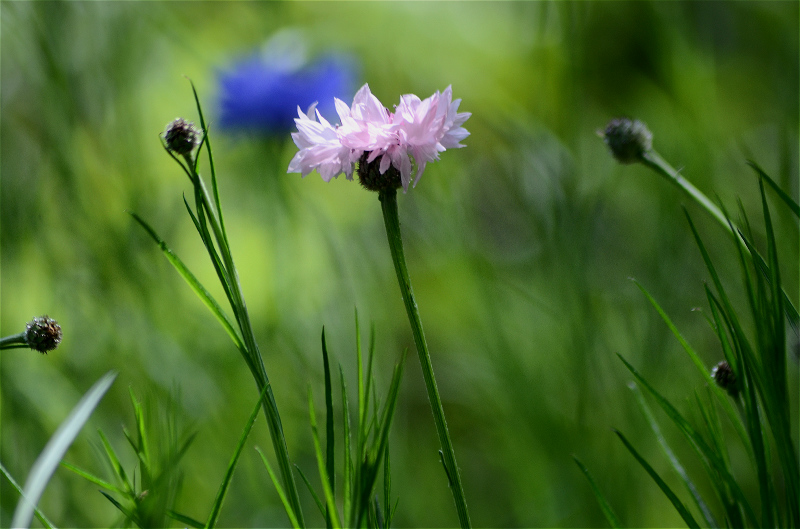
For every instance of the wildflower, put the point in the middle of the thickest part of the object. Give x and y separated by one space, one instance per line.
725 378
381 142
181 136
261 92
627 139
43 334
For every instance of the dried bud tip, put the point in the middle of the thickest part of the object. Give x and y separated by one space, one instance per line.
725 378
627 139
181 136
43 334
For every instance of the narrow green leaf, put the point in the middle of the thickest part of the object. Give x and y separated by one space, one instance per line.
323 473
216 507
329 433
381 441
773 354
56 447
92 478
608 512
348 462
673 459
186 520
205 236
726 307
314 495
116 465
688 348
129 515
275 481
387 488
196 286
793 206
141 430
39 514
207 143
756 431
362 412
369 377
697 441
676 502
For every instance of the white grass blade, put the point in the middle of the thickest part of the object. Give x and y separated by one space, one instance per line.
52 454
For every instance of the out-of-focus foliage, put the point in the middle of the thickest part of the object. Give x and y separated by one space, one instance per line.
520 246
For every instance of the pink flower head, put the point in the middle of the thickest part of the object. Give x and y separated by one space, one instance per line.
418 129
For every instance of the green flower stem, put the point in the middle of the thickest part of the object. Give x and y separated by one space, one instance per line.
654 161
14 341
391 219
255 362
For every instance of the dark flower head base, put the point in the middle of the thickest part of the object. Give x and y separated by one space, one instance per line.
370 176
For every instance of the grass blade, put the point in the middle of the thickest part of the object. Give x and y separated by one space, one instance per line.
92 478
329 433
213 516
195 284
207 143
793 206
284 500
608 512
141 432
129 515
332 512
314 495
373 463
39 514
55 449
387 488
707 515
676 502
348 462
115 464
186 520
698 442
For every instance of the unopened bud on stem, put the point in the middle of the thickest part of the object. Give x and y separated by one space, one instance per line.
725 378
627 139
181 136
43 334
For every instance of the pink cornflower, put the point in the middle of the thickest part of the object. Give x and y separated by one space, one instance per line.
378 140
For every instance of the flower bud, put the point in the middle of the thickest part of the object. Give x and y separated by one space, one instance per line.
181 136
627 139
370 176
43 334
725 378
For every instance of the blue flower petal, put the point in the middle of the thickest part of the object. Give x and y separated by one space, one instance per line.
258 96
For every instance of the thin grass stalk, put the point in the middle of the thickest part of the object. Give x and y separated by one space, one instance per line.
256 362
391 220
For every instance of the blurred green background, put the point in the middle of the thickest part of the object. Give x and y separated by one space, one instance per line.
520 246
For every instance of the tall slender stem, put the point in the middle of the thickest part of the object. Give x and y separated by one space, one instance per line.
391 219
654 161
256 361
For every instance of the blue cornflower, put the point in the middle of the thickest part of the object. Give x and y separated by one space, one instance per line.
262 93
